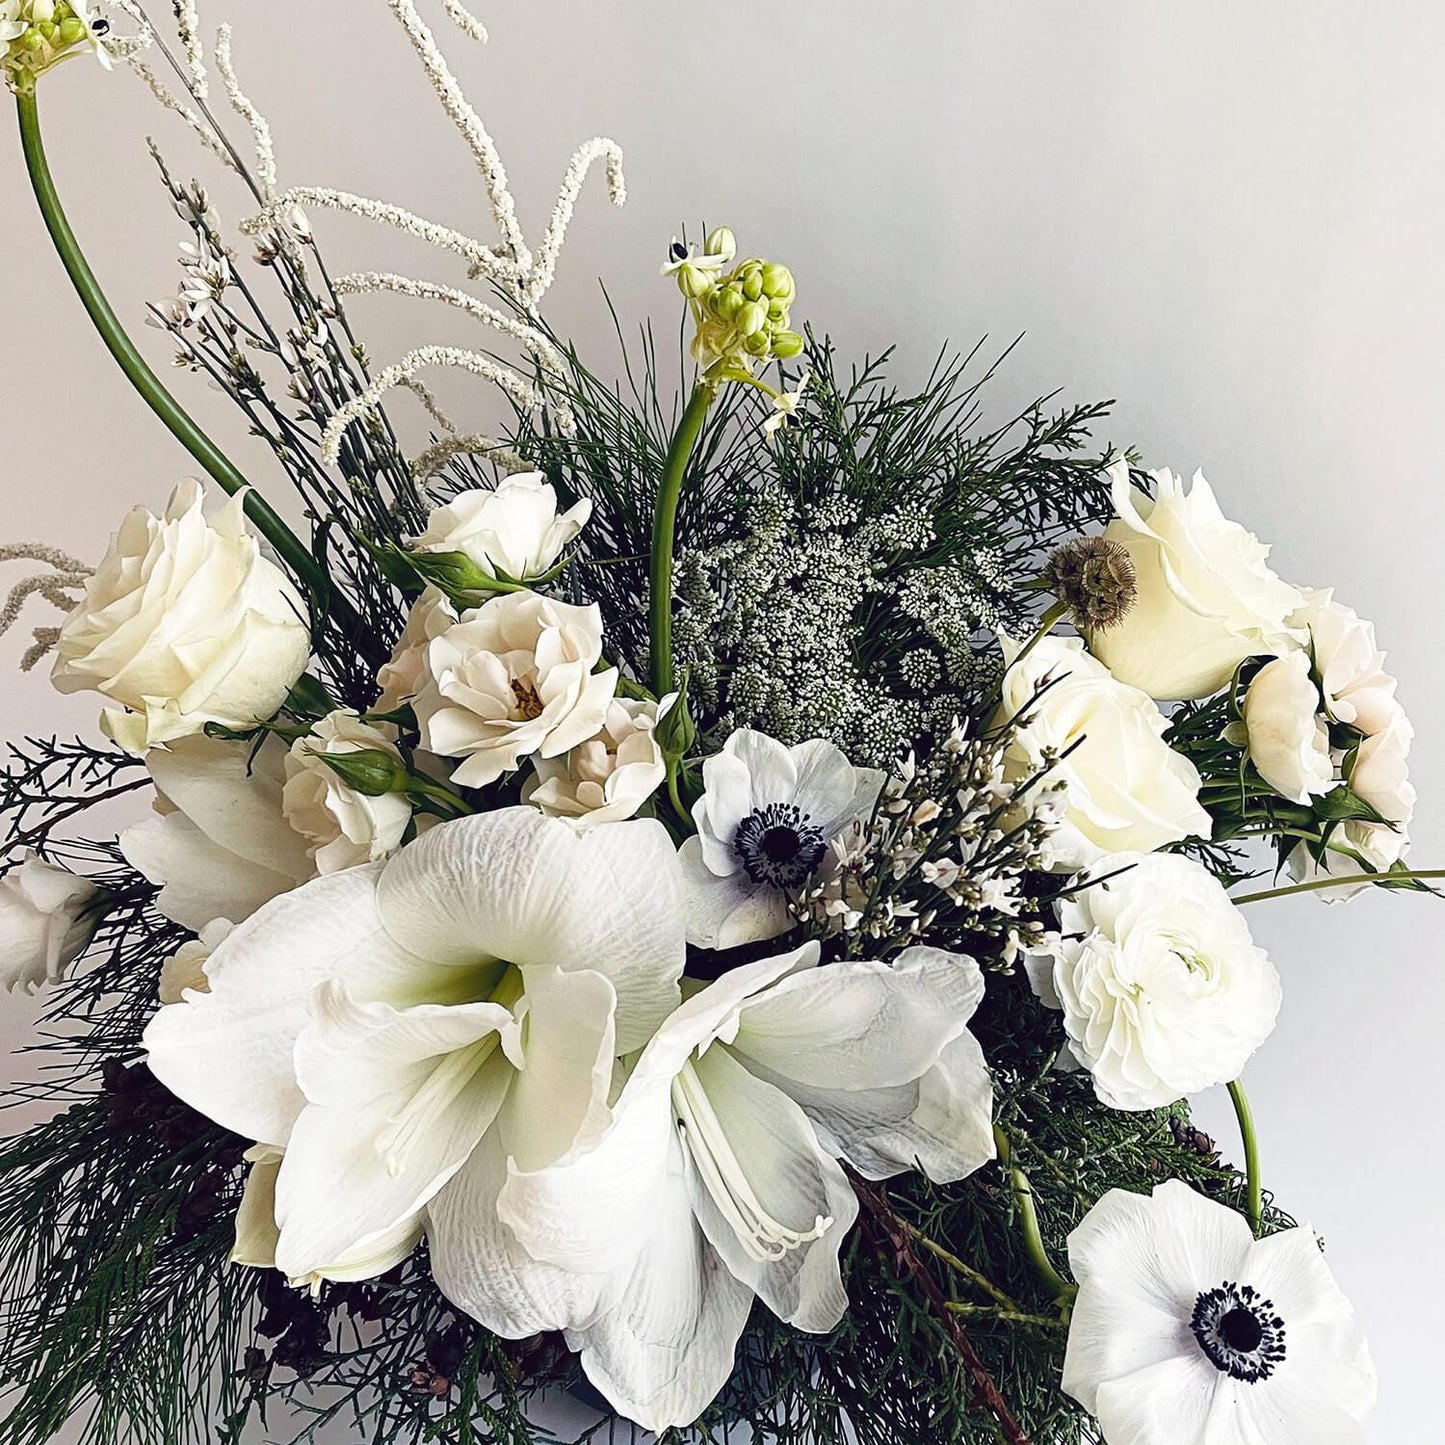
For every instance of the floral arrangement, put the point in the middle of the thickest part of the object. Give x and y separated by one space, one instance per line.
709 903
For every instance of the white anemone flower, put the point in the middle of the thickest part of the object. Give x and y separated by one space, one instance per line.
1189 1331
378 1024
720 1178
764 825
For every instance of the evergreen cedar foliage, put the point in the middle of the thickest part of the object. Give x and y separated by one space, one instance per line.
117 1303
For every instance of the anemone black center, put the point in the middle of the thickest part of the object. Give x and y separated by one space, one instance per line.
1239 1332
779 845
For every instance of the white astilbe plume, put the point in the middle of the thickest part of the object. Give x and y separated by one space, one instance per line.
241 104
67 576
465 20
188 27
522 392
433 407
436 456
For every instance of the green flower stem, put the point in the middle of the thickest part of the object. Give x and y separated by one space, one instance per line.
1060 1290
1343 881
664 534
1006 1306
288 545
1004 1316
1245 1115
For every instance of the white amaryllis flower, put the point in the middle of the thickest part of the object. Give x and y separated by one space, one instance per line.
220 846
46 920
719 1178
765 821
1206 599
184 623
1163 990
1349 664
512 532
1126 789
610 776
404 674
342 826
1285 732
512 679
1189 1331
380 1023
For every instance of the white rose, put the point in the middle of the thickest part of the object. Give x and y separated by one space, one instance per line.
514 678
513 532
610 776
1205 600
1350 665
45 922
184 623
1127 789
342 827
1380 773
1287 737
1163 990
220 846
401 678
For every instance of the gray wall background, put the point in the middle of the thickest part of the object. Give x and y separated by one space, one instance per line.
1228 216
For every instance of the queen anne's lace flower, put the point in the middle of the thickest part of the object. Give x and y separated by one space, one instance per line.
1189 1331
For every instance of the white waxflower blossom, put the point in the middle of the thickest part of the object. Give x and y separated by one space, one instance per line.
610 776
1205 596
719 1179
186 967
1189 1331
1286 734
1163 990
1127 790
512 679
512 531
381 1024
403 675
47 918
184 623
220 845
765 823
1349 664
342 827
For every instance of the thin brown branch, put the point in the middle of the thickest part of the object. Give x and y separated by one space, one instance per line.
901 1246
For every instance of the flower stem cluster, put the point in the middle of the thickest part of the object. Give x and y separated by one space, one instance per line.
39 34
947 855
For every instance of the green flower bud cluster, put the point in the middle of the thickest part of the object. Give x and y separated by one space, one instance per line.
742 314
39 34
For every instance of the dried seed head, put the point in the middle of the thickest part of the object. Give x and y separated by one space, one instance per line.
1094 577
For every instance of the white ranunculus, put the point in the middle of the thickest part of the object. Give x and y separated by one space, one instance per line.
513 679
512 532
1287 736
220 846
1189 1331
1206 598
404 675
382 1023
46 920
1163 990
764 824
184 623
719 1180
1349 664
342 826
610 776
186 967
1127 790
